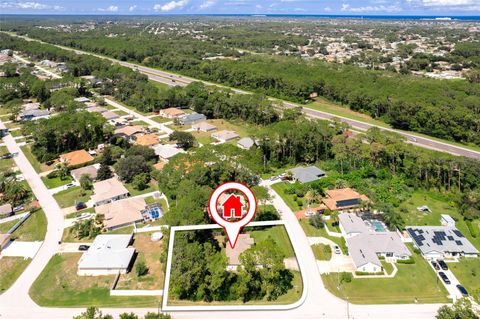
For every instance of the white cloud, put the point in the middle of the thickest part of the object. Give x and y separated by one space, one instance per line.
170 5
207 4
447 3
132 8
109 9
28 6
378 8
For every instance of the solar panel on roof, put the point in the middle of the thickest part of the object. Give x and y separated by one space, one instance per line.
458 242
458 233
450 237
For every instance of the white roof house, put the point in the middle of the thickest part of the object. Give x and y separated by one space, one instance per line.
307 174
107 191
225 136
204 127
167 151
351 225
441 241
246 143
108 255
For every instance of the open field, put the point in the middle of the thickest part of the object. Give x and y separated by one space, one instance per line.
71 196
412 283
467 272
59 286
12 268
149 252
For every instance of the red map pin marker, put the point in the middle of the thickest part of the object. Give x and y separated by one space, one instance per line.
235 213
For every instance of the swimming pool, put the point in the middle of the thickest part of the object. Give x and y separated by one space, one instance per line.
152 212
377 226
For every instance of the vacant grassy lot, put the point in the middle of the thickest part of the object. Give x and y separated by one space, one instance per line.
277 233
71 196
288 198
413 283
56 181
39 167
322 252
149 252
467 272
33 229
12 268
59 286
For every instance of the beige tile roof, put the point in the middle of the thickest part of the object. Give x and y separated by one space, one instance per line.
129 130
172 112
107 189
147 140
121 212
76 157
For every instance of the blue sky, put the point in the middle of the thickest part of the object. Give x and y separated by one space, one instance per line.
344 7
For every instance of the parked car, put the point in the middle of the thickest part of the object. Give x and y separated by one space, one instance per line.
83 247
274 178
337 250
444 277
70 185
435 265
80 205
18 208
443 265
462 290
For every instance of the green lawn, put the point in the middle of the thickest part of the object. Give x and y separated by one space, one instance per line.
56 181
412 283
59 286
33 229
467 272
120 112
12 268
90 210
439 204
39 167
160 119
387 266
71 196
161 201
16 133
6 163
322 252
277 233
134 192
131 107
139 122
288 199
311 231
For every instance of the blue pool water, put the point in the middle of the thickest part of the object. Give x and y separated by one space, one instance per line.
377 226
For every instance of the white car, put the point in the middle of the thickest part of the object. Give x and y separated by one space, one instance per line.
337 250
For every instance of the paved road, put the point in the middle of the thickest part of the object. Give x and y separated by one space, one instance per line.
16 298
175 79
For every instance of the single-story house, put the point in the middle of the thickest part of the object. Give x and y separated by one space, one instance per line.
31 106
107 255
344 198
192 118
6 210
441 242
172 113
82 99
129 131
108 191
167 151
3 130
225 136
447 220
146 139
307 174
246 143
34 115
244 242
109 115
351 225
4 240
96 109
122 213
76 158
90 170
204 127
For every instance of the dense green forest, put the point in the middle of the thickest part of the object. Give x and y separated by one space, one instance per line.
445 109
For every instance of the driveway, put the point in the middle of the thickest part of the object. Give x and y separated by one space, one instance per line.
452 287
26 249
71 247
